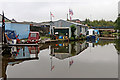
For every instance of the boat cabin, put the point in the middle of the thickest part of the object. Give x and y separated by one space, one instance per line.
33 37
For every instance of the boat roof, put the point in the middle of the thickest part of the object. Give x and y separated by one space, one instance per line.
34 32
9 31
91 29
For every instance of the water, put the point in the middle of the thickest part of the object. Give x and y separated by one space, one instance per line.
64 60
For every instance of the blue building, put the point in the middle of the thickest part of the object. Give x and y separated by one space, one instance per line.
21 29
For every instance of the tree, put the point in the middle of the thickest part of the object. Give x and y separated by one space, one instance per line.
99 23
73 28
87 21
117 23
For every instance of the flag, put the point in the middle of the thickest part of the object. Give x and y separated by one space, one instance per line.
52 68
70 12
70 18
70 62
51 14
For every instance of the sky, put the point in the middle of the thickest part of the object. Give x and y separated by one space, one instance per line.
39 10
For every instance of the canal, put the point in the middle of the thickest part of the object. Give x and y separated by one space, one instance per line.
78 59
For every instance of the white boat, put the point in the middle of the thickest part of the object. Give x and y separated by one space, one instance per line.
92 34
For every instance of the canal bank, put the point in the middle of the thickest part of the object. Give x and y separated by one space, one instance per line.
61 40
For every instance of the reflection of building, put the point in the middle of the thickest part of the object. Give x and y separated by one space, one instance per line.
65 50
19 54
24 52
0 65
60 51
80 47
0 35
117 45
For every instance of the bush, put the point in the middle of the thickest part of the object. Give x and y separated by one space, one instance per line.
73 28
77 37
105 32
71 38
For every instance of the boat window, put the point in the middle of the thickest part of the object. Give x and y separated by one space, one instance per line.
87 33
93 32
80 29
33 34
86 29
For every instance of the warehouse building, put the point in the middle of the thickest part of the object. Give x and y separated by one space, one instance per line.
63 27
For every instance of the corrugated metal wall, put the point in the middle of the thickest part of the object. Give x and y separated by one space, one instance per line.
62 23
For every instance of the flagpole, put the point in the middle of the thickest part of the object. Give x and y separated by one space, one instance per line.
50 23
50 17
51 63
67 17
3 28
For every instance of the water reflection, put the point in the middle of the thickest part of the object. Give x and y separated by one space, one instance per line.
24 52
52 55
18 55
117 45
66 50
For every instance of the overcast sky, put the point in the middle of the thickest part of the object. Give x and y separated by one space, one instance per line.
39 10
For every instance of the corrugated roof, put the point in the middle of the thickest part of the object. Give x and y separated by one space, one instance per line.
72 22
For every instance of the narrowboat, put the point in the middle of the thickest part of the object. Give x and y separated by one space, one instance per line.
34 37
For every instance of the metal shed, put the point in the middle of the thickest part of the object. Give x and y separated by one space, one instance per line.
80 28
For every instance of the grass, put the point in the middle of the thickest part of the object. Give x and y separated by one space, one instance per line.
116 34
44 37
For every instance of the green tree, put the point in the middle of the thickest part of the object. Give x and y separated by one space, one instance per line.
99 23
117 24
73 28
117 45
87 21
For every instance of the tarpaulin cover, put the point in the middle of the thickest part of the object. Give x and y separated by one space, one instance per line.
11 34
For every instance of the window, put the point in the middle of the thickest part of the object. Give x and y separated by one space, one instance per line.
86 29
80 29
33 34
93 32
87 33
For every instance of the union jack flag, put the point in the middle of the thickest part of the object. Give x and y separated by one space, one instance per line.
51 14
70 12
